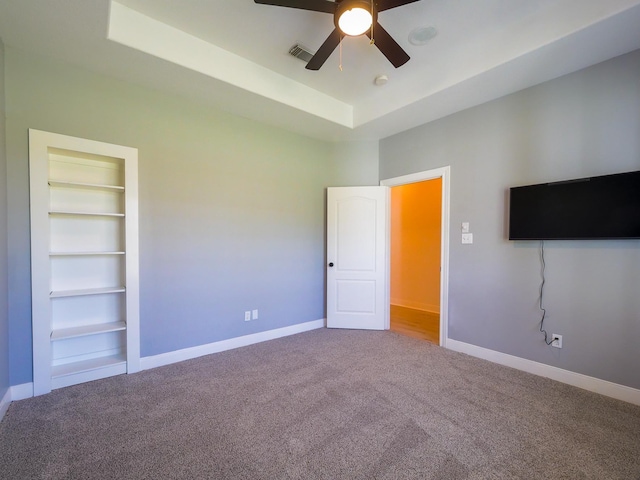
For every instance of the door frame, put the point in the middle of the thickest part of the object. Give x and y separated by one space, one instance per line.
444 173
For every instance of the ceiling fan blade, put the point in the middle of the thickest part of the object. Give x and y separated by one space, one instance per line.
388 46
325 50
313 5
383 5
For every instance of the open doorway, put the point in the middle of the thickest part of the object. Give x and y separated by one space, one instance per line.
415 256
419 254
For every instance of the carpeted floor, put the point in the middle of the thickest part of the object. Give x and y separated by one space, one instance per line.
324 404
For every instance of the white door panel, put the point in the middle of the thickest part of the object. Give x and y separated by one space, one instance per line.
356 227
357 256
356 296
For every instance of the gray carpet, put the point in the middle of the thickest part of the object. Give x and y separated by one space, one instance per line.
324 404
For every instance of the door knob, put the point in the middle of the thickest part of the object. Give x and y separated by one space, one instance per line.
331 264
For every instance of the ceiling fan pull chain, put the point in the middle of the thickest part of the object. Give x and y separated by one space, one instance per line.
340 45
372 41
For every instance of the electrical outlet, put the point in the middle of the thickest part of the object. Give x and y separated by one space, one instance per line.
254 315
247 315
557 340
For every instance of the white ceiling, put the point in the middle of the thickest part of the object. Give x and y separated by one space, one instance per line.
233 54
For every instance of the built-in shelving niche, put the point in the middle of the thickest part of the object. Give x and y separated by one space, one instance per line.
84 260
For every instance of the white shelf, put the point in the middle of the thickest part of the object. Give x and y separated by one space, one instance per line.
90 214
73 254
83 331
86 365
87 291
88 186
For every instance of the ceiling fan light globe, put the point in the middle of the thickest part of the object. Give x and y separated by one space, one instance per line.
355 21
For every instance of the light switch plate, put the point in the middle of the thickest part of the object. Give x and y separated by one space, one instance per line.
467 238
465 227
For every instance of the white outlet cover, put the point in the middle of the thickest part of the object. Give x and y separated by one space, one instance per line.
557 340
254 315
467 238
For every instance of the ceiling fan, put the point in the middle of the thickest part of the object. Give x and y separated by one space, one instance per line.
351 18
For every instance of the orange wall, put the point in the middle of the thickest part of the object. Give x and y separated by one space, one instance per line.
415 245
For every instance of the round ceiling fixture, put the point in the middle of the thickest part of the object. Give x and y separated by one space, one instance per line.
421 35
381 80
355 17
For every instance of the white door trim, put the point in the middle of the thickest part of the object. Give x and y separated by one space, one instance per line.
444 173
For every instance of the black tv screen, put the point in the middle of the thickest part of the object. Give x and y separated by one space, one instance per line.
604 207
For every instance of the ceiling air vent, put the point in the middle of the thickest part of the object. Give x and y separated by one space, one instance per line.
301 52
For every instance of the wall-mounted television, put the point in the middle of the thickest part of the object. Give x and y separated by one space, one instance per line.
603 207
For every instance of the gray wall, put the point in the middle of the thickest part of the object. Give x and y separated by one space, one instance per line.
583 124
355 163
232 212
4 322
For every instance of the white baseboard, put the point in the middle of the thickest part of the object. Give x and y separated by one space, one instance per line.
17 392
20 392
5 402
603 387
425 307
216 347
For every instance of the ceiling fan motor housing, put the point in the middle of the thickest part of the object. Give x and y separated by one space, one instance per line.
345 5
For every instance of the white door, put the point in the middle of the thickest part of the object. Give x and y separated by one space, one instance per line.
357 258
